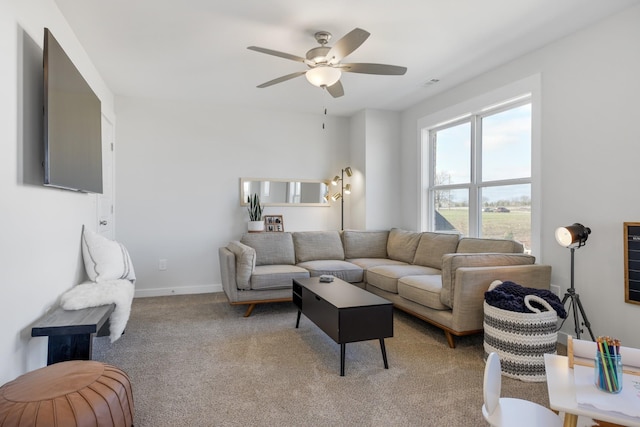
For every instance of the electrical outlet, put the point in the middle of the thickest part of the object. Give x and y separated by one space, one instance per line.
162 265
555 289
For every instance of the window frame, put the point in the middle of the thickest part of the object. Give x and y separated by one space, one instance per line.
511 96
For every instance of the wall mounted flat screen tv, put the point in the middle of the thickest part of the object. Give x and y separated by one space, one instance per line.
72 124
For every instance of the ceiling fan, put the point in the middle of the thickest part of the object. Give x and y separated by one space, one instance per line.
325 68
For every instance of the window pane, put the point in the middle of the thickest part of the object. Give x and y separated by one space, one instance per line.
453 155
506 144
506 213
452 210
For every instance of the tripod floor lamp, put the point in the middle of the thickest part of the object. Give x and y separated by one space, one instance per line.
574 237
344 189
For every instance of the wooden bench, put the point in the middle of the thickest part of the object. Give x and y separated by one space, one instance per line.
71 332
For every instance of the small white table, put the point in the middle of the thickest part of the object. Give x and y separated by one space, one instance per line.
562 395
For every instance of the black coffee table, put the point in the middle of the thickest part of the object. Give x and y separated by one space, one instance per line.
344 312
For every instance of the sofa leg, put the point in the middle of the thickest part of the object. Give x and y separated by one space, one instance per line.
249 310
450 341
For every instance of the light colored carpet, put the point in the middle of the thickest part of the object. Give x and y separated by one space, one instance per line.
195 361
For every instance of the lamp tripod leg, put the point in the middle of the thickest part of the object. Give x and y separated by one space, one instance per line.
578 310
584 317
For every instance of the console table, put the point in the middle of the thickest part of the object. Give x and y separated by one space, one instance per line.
71 332
344 312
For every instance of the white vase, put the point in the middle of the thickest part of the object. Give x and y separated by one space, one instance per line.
255 226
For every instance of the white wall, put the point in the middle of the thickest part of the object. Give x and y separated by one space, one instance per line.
39 227
590 147
375 160
356 205
382 171
178 176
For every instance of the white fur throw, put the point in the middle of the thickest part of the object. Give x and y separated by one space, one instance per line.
91 294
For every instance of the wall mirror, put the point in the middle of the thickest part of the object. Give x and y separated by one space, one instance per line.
285 192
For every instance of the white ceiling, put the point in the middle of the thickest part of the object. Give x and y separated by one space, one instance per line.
196 49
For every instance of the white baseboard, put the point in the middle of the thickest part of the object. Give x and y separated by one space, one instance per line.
178 290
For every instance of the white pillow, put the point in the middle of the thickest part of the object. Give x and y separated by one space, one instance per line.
105 259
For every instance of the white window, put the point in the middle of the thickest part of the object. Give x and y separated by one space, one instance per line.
477 173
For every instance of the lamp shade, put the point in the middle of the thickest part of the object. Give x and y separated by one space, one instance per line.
323 75
335 180
348 171
572 235
347 189
336 197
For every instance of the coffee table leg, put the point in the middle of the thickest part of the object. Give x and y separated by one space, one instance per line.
384 353
298 319
342 351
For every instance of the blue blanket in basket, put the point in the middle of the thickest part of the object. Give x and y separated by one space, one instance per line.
510 296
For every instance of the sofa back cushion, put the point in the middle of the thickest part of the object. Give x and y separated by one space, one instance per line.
317 245
365 244
271 248
472 245
432 246
245 263
402 245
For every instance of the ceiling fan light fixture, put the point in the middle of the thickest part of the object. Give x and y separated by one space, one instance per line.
323 76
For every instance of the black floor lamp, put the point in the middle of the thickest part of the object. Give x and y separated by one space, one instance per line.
574 237
344 189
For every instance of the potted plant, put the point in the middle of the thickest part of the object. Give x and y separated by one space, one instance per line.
255 214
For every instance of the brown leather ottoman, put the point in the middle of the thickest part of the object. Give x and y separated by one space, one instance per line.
75 393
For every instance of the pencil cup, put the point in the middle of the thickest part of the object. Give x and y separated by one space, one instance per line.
608 372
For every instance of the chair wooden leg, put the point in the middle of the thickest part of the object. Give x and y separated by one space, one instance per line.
450 341
249 310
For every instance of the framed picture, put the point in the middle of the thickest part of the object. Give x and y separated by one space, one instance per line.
273 223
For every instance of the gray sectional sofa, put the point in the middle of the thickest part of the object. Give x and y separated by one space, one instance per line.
437 277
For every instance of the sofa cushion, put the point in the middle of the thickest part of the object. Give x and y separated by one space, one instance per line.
402 244
367 263
276 276
365 244
423 289
386 277
245 263
317 245
451 262
432 246
341 269
271 248
472 245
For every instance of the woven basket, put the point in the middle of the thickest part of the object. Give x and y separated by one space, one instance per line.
521 339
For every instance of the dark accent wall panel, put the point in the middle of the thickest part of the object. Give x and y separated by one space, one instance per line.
632 262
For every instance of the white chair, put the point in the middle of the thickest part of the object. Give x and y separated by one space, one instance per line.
509 412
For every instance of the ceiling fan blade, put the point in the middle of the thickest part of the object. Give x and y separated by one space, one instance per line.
282 79
390 70
277 53
336 90
347 44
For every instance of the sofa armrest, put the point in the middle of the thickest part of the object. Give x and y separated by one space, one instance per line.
451 263
473 282
228 273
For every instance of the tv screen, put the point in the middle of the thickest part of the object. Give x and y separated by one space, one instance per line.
72 124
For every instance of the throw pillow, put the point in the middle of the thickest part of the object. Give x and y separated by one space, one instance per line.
105 259
245 263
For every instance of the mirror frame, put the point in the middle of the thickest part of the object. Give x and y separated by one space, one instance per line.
243 202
